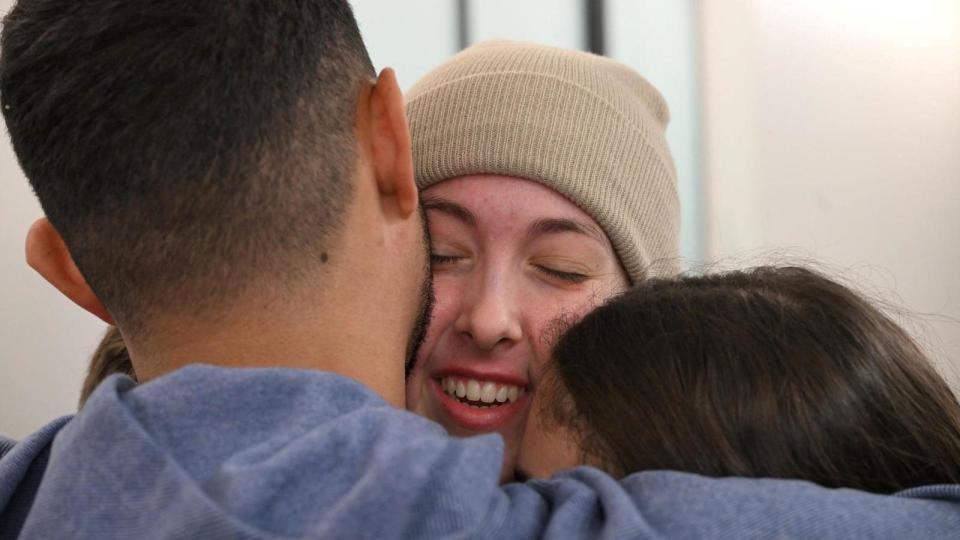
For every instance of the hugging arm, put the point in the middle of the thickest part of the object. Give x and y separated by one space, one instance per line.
265 453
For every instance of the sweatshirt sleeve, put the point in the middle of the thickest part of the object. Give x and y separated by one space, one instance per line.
443 487
6 445
585 503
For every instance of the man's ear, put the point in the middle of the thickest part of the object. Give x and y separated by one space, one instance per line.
49 256
390 144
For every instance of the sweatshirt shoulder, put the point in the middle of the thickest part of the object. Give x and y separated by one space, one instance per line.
268 452
16 458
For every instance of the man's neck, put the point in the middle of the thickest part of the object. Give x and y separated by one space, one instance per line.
352 316
327 334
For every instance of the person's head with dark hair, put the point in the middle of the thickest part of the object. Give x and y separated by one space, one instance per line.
110 357
207 167
771 372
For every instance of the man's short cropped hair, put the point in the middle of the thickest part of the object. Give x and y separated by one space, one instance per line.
185 148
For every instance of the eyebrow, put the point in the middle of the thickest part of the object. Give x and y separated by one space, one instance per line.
562 225
539 227
452 209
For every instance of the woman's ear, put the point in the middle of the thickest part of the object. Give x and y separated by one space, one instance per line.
48 255
390 144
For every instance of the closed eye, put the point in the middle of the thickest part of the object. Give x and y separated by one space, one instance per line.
443 259
572 277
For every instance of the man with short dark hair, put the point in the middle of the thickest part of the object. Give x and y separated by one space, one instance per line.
229 184
196 161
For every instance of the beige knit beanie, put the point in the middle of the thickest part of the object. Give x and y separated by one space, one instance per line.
586 126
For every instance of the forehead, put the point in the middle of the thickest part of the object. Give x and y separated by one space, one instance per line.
507 202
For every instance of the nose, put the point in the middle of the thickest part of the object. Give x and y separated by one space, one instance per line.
490 315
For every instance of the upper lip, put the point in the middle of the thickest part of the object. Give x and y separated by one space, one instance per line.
482 375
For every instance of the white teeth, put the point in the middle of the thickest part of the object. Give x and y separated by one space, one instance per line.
473 390
487 392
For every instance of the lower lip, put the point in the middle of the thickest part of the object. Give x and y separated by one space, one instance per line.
479 418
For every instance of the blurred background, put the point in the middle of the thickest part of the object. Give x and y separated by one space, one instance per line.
802 130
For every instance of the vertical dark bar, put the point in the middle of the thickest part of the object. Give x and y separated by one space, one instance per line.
463 24
596 30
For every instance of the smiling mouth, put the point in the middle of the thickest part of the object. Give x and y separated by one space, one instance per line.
480 394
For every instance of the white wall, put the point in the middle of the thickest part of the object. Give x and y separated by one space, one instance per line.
552 22
412 36
832 130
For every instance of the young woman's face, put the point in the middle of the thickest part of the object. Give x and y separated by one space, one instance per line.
510 256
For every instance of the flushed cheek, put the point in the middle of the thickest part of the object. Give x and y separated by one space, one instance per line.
419 392
414 389
441 323
550 324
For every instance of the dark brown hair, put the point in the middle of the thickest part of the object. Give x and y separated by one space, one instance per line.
771 372
184 149
110 357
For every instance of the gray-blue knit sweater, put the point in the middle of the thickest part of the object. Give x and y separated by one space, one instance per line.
271 453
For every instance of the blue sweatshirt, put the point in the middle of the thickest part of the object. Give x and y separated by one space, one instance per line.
272 453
